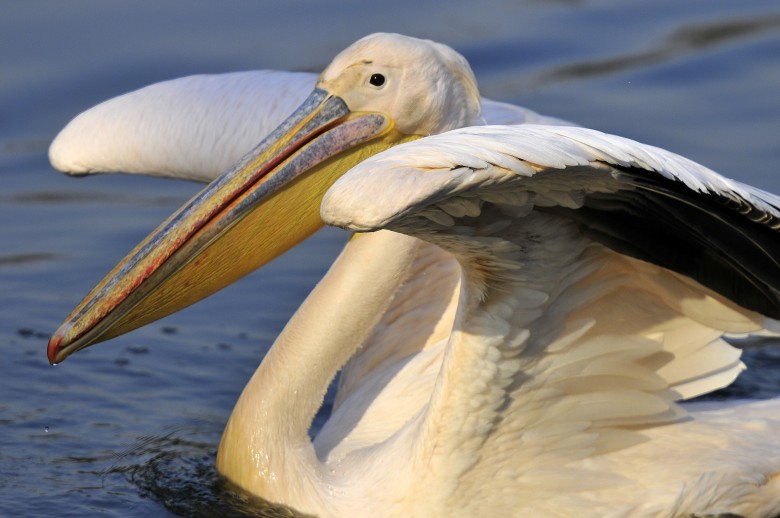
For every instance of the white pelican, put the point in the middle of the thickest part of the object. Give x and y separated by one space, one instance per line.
515 323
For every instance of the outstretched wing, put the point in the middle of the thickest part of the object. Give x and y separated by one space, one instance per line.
196 127
609 272
193 127
637 199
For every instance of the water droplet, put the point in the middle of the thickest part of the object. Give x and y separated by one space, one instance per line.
45 429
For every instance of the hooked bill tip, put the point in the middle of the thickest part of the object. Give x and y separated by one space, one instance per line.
53 348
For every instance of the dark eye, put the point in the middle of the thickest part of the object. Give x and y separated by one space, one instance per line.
377 79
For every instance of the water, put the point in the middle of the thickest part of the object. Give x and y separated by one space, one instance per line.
130 428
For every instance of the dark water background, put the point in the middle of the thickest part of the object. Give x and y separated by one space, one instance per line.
130 428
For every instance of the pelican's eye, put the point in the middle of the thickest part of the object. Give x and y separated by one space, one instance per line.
376 80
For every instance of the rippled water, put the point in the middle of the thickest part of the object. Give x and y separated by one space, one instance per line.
130 428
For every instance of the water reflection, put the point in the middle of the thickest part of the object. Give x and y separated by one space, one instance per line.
30 258
684 40
134 199
23 147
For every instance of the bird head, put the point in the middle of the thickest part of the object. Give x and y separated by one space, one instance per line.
423 86
383 90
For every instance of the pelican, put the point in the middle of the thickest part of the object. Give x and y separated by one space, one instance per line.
521 310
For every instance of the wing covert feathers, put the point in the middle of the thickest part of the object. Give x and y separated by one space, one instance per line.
569 338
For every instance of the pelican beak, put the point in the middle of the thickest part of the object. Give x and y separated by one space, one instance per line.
264 205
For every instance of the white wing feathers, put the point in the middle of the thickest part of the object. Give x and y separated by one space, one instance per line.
193 127
579 349
495 113
639 200
528 148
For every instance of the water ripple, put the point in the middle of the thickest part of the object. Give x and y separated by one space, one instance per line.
176 469
684 40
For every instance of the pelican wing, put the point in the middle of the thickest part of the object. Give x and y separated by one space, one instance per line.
637 199
605 273
193 127
196 127
498 113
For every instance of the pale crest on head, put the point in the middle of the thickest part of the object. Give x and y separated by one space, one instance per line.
426 87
